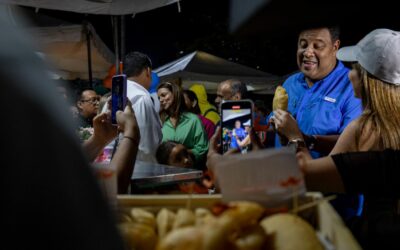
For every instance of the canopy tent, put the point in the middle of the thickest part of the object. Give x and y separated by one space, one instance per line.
65 47
210 70
104 7
116 8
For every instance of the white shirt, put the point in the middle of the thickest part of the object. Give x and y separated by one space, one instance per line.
147 119
156 102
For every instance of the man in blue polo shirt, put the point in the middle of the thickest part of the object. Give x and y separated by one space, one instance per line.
321 102
238 134
321 98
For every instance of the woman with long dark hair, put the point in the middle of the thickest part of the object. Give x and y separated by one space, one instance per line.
179 125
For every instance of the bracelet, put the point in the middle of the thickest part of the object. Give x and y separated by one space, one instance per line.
130 138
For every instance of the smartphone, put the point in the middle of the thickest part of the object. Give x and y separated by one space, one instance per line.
118 96
237 119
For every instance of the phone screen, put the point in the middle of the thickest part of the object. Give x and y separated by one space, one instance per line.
236 122
118 93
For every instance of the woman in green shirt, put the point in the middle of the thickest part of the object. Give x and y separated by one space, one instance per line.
179 125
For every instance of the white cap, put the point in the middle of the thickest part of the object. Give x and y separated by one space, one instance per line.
378 53
247 123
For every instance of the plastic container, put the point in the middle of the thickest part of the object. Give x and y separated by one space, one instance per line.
270 177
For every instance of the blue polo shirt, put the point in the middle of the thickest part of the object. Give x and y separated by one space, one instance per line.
240 133
327 107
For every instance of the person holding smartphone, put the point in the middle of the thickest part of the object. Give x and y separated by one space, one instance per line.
125 155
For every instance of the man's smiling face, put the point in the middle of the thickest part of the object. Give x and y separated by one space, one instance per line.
316 53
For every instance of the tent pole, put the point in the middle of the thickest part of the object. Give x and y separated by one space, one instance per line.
115 27
89 55
123 37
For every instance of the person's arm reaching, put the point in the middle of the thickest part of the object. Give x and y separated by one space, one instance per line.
321 143
287 126
125 156
320 174
104 133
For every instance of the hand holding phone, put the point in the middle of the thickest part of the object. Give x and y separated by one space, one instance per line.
237 119
118 95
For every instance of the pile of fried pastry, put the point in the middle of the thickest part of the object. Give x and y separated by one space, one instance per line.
240 225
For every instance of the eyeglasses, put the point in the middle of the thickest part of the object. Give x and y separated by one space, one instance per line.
93 100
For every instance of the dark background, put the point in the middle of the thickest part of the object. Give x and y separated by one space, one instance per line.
165 35
267 41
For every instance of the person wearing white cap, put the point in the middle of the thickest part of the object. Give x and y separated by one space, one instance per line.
366 158
321 103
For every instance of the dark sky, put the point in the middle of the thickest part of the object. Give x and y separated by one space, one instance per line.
164 34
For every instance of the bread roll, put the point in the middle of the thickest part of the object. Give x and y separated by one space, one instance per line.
203 216
184 217
253 238
290 232
124 218
280 100
138 236
215 235
187 238
244 213
165 219
142 216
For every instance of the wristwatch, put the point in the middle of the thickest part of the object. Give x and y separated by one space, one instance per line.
297 144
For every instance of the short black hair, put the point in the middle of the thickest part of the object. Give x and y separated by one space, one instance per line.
238 86
135 62
334 30
164 151
80 93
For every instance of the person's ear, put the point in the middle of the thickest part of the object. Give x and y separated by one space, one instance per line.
336 45
237 97
148 72
194 104
79 105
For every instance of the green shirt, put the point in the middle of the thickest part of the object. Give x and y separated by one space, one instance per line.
189 132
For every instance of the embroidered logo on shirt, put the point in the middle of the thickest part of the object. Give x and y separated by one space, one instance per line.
329 99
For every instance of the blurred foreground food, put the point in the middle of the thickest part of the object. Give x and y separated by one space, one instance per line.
238 225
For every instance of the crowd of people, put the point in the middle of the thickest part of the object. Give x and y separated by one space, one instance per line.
344 124
332 112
